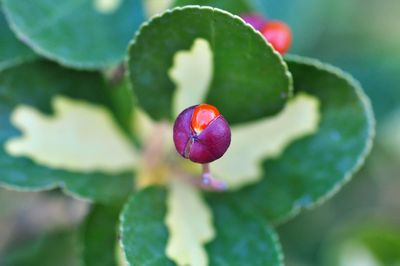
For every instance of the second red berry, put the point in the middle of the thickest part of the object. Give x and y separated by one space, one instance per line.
278 34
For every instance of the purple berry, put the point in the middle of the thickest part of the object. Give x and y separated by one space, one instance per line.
201 134
254 19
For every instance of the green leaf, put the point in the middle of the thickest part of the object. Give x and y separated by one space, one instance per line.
241 239
122 104
252 143
314 168
100 236
236 7
245 86
143 232
78 33
12 51
58 248
41 82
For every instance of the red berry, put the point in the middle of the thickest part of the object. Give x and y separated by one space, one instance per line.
278 34
201 134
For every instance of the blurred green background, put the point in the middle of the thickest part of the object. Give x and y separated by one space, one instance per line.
361 224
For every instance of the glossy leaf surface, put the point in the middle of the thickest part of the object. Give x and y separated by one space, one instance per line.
82 34
313 168
12 51
240 238
40 83
256 79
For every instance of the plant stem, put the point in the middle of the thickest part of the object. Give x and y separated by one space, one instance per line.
208 182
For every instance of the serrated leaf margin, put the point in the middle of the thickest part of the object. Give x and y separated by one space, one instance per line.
213 9
340 74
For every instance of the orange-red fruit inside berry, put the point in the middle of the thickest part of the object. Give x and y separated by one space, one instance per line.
203 115
278 34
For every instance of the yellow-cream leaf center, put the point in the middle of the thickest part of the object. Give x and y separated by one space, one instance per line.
80 136
256 141
189 222
192 73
